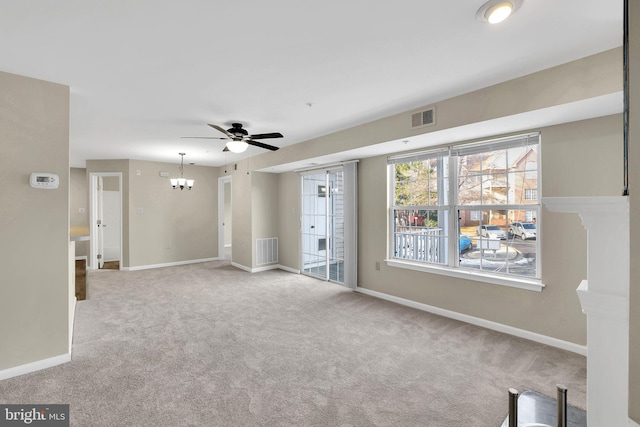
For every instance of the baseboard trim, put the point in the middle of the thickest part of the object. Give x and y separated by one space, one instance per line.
72 322
289 269
35 366
168 264
543 339
241 267
265 268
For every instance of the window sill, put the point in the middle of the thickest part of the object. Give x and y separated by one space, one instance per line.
513 282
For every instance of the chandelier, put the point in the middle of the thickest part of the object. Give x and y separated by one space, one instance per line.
181 182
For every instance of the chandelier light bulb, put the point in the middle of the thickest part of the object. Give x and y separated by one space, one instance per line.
181 182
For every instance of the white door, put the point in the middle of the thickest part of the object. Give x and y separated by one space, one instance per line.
224 218
100 221
110 225
106 218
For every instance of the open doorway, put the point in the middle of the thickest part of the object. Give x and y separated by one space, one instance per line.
224 218
328 236
105 193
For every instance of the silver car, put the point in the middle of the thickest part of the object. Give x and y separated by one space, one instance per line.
524 230
492 232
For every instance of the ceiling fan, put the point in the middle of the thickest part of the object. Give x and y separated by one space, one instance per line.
239 139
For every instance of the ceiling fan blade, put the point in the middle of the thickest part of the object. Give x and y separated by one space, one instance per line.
202 137
218 128
261 145
266 135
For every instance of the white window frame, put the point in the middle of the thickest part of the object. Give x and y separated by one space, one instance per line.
452 267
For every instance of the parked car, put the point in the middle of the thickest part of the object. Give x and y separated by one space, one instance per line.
492 232
465 243
524 230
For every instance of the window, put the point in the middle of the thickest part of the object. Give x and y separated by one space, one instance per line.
531 194
469 207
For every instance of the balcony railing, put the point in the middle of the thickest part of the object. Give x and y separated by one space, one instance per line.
420 244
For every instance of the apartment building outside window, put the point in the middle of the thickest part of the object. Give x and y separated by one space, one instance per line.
464 207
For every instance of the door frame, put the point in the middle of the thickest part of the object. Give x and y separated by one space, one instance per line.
328 233
221 208
93 216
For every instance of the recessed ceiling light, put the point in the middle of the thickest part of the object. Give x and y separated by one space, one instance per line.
495 11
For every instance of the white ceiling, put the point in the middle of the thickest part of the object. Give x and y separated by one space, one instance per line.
144 73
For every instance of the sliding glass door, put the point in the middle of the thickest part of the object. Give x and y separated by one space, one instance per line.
323 225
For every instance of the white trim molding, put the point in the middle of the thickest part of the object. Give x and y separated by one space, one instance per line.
72 322
35 366
604 297
265 268
488 324
511 281
168 264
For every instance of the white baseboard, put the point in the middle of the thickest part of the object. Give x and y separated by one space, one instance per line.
241 267
35 366
543 339
71 323
265 268
289 269
168 264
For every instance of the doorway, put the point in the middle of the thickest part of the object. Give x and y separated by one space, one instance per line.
106 220
328 218
224 218
323 226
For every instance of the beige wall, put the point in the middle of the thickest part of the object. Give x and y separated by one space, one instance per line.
79 199
34 226
241 235
289 220
634 203
228 216
176 225
264 221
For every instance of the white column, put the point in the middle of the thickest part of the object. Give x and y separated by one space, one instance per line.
604 297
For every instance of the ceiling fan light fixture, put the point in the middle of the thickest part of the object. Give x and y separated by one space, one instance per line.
237 146
496 11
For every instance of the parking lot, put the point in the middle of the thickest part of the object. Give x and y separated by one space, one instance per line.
515 256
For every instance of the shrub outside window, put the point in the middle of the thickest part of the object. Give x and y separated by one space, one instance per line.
472 206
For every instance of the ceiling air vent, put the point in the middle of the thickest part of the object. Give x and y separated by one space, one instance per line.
423 118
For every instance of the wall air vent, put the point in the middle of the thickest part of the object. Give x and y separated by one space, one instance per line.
424 118
266 251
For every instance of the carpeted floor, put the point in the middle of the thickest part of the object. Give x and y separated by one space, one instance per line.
210 345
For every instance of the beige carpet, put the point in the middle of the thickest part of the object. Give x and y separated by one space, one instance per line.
210 345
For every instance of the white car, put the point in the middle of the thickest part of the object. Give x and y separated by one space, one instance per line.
524 230
492 232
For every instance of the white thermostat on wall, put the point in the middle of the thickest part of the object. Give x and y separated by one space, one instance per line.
42 180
